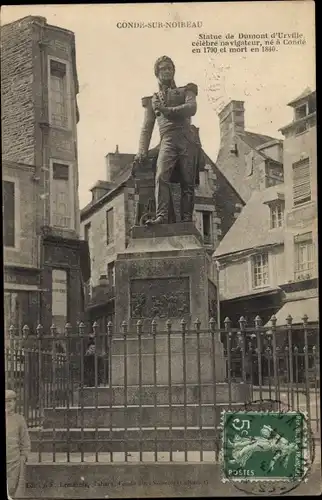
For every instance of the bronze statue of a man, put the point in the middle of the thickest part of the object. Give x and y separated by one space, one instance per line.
173 108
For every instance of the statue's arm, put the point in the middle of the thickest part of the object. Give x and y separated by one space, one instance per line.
147 127
189 108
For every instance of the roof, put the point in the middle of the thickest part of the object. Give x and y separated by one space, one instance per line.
254 140
103 185
250 231
259 149
306 92
237 177
297 309
124 177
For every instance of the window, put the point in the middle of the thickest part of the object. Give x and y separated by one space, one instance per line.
301 182
301 112
109 226
9 214
304 259
111 273
277 215
59 299
300 129
260 270
58 94
312 104
206 227
62 196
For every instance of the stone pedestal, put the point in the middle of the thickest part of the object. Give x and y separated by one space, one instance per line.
163 275
168 359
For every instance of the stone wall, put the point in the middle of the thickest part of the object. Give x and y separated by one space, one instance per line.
226 199
28 136
236 276
26 192
302 218
102 253
18 115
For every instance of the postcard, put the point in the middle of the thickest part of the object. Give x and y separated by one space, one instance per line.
160 243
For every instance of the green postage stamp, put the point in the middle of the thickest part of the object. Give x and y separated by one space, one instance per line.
264 446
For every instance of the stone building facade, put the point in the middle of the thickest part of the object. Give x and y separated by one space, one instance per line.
39 144
116 207
250 161
268 259
301 223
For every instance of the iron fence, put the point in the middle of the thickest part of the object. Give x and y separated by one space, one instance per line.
155 394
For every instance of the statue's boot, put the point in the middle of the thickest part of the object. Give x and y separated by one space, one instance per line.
153 222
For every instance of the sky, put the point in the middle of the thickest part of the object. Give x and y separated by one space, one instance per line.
115 68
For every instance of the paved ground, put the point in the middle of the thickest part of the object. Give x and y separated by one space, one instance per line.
209 485
179 456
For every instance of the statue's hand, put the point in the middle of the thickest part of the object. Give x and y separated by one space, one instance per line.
140 157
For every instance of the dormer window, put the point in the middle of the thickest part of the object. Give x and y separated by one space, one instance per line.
277 214
276 206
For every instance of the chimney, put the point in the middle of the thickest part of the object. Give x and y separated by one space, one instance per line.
231 119
117 163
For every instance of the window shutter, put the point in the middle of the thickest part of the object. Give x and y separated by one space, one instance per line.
301 182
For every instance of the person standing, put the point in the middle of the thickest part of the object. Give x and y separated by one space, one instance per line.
17 447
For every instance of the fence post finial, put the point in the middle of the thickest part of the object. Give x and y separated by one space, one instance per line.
53 330
154 326
212 324
39 330
183 325
12 331
95 328
139 325
242 322
197 324
305 319
68 329
25 331
258 322
124 327
289 320
227 323
109 327
168 324
273 320
81 329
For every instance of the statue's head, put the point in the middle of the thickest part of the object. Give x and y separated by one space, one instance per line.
164 69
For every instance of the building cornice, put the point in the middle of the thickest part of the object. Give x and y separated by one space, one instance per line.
235 256
295 123
17 165
251 295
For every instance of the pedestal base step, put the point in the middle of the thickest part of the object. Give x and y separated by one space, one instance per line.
176 415
124 440
162 394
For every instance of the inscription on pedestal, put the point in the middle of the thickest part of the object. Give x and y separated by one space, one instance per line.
160 297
